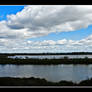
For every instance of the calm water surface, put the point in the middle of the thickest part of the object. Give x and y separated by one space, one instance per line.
55 73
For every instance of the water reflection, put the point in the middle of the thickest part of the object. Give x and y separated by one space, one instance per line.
75 73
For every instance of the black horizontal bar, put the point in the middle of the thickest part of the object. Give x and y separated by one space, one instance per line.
46 2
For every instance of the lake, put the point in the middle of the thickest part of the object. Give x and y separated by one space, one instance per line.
55 73
48 56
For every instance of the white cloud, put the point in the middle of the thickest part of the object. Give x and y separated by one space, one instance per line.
36 21
62 41
42 20
47 45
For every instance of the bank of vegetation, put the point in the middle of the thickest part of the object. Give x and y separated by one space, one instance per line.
5 60
8 81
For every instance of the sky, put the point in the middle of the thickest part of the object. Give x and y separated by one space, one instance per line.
45 28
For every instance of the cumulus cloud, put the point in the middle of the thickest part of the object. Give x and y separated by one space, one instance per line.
36 21
47 45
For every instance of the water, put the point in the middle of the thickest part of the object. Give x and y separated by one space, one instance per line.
49 56
55 73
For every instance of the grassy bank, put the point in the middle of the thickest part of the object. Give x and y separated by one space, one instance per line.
39 82
65 60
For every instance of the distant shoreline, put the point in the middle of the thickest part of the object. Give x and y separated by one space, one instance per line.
68 53
65 60
29 61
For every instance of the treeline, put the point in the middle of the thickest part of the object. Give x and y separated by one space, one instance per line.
5 60
69 53
7 81
65 60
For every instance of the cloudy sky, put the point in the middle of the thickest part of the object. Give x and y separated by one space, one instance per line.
45 28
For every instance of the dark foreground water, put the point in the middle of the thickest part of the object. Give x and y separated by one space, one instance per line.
55 73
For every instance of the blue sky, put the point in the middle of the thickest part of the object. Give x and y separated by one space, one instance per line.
25 26
7 10
74 35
